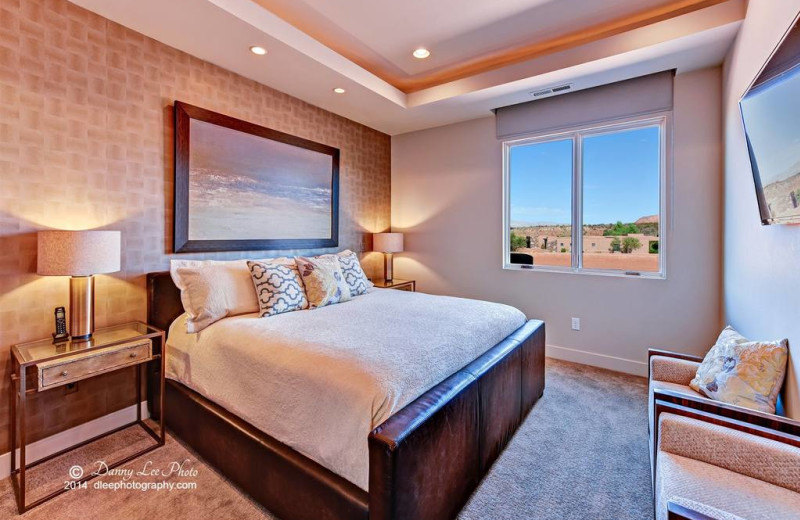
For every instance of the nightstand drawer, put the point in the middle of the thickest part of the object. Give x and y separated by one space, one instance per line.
74 368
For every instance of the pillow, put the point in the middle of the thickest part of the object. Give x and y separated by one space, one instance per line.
323 279
212 290
743 372
279 287
353 273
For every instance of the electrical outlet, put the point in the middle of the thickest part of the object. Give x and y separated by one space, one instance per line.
576 324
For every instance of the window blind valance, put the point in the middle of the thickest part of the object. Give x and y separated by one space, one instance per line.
632 97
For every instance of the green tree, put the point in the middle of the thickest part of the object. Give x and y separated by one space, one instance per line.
620 229
615 246
517 242
630 244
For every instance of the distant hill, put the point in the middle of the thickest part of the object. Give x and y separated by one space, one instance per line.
524 224
791 171
652 219
647 226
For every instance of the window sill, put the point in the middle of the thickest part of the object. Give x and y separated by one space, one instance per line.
587 272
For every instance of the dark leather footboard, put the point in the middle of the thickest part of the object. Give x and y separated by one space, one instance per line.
286 482
426 460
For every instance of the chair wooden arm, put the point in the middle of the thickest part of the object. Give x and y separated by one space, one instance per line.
722 410
679 512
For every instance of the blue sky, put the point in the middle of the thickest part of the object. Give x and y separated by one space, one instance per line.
620 177
771 115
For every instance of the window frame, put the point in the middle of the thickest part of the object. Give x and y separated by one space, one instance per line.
577 134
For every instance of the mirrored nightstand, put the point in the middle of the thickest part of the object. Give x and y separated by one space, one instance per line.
40 366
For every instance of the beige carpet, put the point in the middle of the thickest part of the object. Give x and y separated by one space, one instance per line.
581 454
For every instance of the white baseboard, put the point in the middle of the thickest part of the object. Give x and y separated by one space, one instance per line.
83 432
617 364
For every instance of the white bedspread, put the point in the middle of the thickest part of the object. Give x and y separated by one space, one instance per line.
321 380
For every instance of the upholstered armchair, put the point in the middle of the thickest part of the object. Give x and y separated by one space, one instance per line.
707 466
670 374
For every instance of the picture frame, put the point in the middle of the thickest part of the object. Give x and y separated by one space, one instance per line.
245 187
769 114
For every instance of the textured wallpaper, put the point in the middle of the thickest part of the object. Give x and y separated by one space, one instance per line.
86 142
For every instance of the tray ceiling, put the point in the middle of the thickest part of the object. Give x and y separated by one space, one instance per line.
483 54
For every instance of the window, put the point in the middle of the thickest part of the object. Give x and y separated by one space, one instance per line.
589 200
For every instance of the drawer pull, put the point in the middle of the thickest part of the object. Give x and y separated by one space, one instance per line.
64 373
133 354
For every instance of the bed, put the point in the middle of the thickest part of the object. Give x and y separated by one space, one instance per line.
411 399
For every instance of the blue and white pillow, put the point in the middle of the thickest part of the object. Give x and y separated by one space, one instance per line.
353 273
279 287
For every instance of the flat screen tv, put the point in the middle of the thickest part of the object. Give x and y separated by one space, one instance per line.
771 114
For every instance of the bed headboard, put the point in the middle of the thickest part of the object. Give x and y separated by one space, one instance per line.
163 300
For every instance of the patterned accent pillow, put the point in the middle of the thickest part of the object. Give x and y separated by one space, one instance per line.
353 273
323 280
743 372
278 287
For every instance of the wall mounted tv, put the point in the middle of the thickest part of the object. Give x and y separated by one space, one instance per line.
771 114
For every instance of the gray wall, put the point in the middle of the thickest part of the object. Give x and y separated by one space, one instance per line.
762 263
446 196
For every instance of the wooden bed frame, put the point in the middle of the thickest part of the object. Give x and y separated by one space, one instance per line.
424 461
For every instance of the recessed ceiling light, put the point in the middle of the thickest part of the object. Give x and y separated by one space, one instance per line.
255 49
421 53
339 90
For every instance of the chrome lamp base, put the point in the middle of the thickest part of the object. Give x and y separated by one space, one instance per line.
81 306
388 259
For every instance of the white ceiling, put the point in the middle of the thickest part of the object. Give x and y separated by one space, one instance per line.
455 30
221 31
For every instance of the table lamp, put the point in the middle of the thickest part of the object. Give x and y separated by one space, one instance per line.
388 244
79 254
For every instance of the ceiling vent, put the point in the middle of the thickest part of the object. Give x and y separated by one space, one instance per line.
560 89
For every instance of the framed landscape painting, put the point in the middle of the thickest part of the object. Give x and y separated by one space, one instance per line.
244 187
770 114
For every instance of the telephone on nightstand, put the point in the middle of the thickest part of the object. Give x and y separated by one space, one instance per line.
61 325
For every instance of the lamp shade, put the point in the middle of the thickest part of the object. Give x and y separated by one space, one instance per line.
78 253
387 242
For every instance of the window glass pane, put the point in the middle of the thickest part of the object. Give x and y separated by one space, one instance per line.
621 201
541 203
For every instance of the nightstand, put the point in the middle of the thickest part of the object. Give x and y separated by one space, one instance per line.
40 366
402 285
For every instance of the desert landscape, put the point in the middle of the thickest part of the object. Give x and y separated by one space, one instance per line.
621 246
597 260
783 197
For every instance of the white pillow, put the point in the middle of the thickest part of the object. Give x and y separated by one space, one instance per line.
212 290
